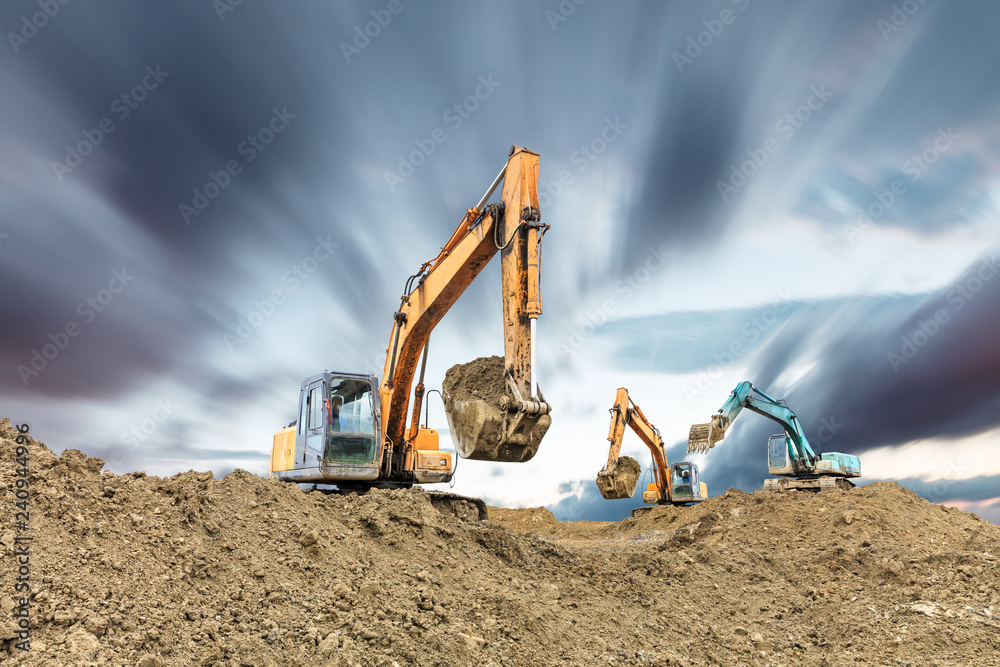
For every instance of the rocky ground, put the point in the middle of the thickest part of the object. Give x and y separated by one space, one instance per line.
137 570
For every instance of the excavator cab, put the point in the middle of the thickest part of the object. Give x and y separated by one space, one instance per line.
336 438
686 485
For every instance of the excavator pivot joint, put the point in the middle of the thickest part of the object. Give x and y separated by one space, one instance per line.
531 214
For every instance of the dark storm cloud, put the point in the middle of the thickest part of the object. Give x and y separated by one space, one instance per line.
891 376
195 121
704 109
711 117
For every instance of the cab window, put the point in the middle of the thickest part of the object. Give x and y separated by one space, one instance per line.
302 413
352 427
316 407
351 406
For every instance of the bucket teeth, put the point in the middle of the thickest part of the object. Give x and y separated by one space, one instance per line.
700 438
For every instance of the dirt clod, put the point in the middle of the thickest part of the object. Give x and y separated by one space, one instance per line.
480 379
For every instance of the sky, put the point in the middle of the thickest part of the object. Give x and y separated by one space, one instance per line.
202 204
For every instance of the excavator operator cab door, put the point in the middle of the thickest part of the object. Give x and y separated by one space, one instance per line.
314 430
778 460
686 487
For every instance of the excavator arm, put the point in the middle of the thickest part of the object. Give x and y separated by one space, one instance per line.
512 228
703 437
617 479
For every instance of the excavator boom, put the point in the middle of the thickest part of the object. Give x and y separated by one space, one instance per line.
703 437
618 479
512 228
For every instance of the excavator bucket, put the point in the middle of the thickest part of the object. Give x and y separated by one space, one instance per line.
483 431
618 481
483 426
702 437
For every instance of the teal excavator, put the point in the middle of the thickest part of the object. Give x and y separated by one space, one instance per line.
788 454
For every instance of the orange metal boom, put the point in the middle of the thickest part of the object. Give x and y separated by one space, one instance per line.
513 229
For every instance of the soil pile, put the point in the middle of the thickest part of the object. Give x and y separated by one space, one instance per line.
875 576
191 570
480 379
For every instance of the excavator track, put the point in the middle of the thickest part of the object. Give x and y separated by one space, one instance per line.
815 484
466 508
463 507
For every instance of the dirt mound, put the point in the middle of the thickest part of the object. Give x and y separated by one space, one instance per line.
480 379
539 521
137 570
873 576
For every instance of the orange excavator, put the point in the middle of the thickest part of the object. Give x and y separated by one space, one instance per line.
676 485
352 428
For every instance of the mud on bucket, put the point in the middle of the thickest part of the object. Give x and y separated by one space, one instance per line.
619 481
481 429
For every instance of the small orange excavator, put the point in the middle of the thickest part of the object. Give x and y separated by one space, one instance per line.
676 485
352 429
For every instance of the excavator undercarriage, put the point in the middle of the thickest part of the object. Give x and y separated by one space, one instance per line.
782 484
